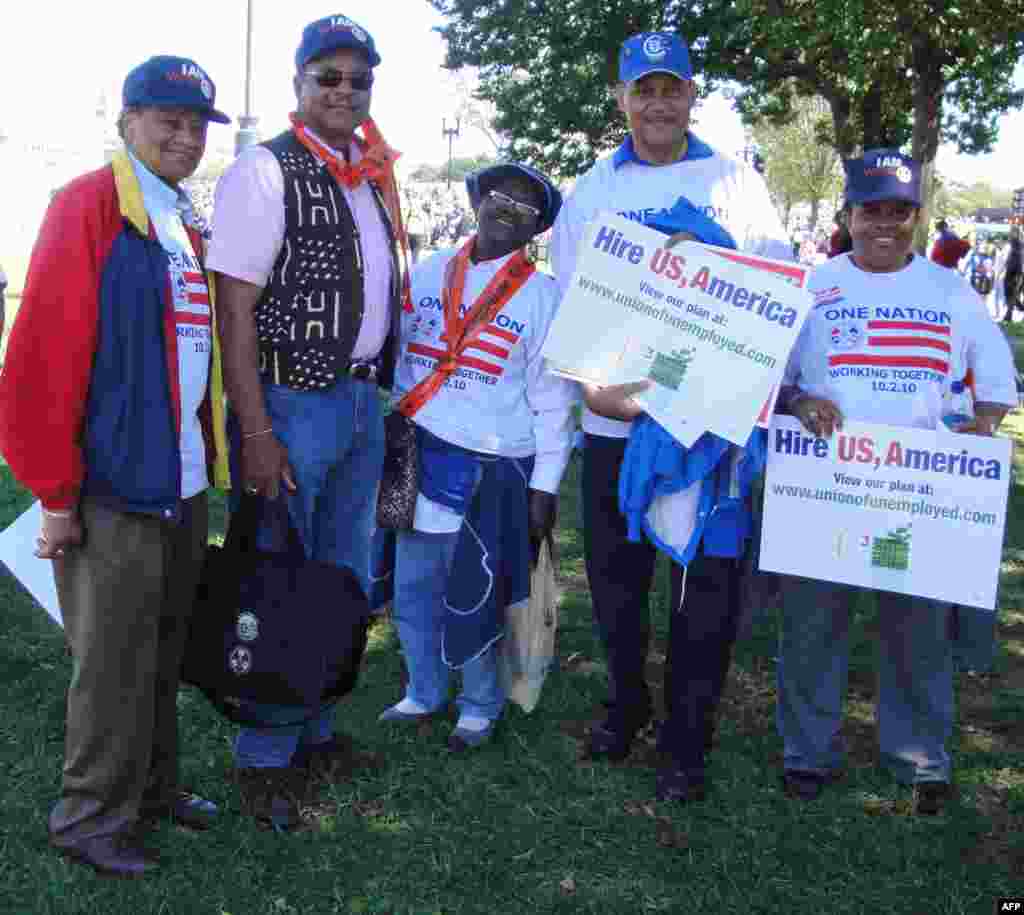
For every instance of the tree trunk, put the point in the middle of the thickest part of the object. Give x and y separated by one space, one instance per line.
871 117
815 209
928 91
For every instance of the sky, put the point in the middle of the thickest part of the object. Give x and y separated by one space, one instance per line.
89 47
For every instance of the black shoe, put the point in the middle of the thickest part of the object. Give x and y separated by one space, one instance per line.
119 855
185 808
680 785
930 797
337 759
613 739
803 786
273 796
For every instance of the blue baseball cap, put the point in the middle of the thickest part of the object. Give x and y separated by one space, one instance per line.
480 182
330 34
883 174
654 52
172 82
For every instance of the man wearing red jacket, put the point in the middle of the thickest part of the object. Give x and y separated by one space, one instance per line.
949 247
106 415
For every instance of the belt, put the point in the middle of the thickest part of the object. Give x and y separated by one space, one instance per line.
363 371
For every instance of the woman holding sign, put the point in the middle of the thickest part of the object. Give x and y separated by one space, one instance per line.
890 334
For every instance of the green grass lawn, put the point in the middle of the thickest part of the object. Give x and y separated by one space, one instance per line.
525 825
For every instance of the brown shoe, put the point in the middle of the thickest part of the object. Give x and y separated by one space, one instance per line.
337 759
272 796
119 855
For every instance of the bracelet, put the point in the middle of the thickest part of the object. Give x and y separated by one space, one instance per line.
256 434
62 513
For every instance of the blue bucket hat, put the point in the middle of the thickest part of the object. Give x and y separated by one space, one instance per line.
172 82
654 52
883 174
480 182
330 34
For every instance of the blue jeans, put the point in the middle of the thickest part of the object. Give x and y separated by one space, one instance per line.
335 442
422 564
915 679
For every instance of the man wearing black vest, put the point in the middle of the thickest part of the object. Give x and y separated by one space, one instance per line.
308 298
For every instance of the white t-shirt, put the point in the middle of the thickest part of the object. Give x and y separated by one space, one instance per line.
500 400
169 210
249 226
884 347
729 192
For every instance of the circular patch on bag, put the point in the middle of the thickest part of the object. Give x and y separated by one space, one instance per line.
248 627
240 660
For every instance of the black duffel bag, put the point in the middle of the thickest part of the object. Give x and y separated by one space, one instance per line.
273 628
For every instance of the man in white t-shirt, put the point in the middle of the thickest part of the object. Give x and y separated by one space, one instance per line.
308 284
889 333
661 163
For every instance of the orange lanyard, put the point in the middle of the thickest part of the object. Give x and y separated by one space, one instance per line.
460 333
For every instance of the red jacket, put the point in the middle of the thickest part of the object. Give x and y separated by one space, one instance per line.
89 399
948 249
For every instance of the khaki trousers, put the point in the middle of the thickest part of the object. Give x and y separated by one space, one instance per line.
126 595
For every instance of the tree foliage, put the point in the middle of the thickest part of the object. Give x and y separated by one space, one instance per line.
460 167
891 74
802 164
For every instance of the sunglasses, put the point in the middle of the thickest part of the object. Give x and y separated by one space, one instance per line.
520 209
331 79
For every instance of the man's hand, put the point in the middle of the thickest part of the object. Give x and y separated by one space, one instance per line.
265 466
58 534
819 416
615 401
674 240
543 512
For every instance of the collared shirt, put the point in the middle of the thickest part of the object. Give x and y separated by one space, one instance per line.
169 210
249 227
695 149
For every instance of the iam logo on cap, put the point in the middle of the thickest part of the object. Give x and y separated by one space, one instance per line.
343 23
656 46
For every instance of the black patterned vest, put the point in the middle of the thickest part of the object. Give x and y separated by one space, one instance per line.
309 315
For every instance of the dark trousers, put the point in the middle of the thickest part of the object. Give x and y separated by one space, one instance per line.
702 629
126 595
702 632
619 574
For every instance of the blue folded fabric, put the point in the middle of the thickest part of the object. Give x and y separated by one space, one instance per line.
685 217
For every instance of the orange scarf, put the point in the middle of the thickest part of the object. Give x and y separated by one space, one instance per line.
377 165
460 333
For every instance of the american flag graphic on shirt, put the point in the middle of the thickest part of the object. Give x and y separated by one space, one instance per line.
487 354
896 343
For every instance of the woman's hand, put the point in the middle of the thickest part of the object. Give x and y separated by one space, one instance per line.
818 416
59 533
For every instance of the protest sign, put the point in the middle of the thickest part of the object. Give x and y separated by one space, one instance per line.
914 511
17 552
710 328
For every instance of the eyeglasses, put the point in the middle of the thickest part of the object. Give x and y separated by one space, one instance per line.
520 209
331 79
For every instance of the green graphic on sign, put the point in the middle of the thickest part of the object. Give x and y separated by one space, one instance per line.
669 369
892 551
